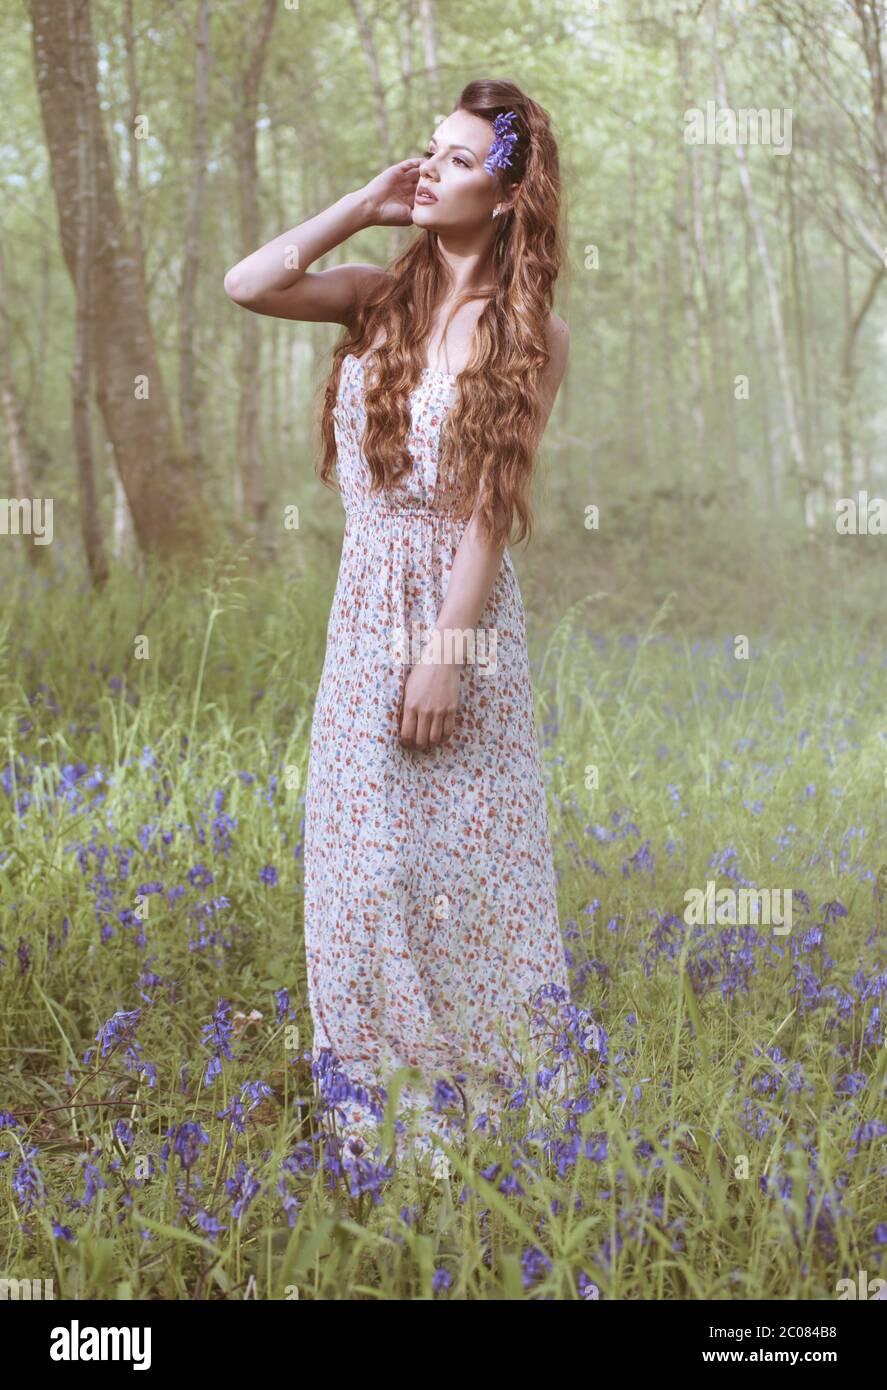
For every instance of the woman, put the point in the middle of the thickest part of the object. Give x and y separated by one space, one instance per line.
430 908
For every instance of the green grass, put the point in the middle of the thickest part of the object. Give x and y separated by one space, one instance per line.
770 770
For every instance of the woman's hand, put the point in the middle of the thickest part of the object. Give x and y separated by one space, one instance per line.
391 194
430 701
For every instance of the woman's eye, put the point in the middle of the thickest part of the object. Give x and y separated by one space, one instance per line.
463 162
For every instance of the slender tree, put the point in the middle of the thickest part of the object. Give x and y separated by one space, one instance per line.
161 489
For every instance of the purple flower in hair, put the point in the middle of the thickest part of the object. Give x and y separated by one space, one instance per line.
503 144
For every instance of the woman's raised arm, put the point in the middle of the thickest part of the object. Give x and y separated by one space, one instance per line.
275 279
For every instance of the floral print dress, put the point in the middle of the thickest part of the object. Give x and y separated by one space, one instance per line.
431 917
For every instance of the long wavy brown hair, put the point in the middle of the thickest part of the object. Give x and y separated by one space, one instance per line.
489 437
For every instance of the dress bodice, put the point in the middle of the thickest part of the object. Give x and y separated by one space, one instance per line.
418 491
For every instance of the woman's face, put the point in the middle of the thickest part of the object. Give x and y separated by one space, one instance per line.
453 169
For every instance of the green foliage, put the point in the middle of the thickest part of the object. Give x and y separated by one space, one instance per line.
778 759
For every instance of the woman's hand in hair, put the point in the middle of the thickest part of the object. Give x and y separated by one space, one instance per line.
391 194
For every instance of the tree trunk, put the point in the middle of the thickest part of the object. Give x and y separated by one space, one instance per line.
817 390
630 381
133 182
721 329
81 370
188 402
798 303
666 355
400 237
847 383
252 484
691 308
691 321
407 73
796 447
19 457
429 49
760 392
160 487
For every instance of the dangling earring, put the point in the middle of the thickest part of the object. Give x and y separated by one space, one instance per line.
497 209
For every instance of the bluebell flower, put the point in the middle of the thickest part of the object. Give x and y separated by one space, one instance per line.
218 1035
282 997
209 1224
190 1137
243 1188
27 1181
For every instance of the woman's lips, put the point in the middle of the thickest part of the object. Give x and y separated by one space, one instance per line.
424 196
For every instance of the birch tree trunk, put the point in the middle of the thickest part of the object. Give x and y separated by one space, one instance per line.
429 50
133 181
667 345
399 236
188 402
847 382
252 491
691 309
767 481
796 447
721 328
81 370
798 305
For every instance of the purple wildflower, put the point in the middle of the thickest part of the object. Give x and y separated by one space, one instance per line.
93 1181
283 1000
235 1112
27 1182
218 1035
243 1188
209 1224
833 911
534 1264
365 1175
503 144
188 1140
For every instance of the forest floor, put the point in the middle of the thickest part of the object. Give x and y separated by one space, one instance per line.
158 1117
